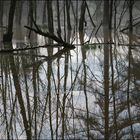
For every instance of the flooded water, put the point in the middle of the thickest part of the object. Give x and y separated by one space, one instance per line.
50 92
53 92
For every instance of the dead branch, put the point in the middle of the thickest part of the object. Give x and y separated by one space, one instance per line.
49 35
30 48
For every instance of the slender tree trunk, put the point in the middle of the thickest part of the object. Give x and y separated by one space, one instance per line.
65 96
27 95
30 16
106 66
64 11
4 99
58 18
81 34
129 64
68 15
35 98
8 36
50 16
58 97
49 76
44 12
1 11
82 16
76 20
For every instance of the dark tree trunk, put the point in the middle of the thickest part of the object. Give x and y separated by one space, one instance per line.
106 67
30 16
50 16
131 2
1 12
82 17
58 18
8 36
30 12
68 14
44 12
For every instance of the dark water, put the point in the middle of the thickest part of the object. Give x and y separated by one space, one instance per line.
50 92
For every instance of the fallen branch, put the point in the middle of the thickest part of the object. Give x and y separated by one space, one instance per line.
30 48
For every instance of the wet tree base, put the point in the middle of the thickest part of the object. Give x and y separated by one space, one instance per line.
7 37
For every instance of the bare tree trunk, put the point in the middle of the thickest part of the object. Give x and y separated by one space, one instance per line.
34 75
129 64
1 12
44 12
76 19
49 76
82 16
64 127
68 15
4 97
106 66
50 16
81 34
27 94
58 97
64 11
19 12
58 18
8 36
30 16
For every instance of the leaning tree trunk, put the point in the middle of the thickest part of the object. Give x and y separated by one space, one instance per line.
8 36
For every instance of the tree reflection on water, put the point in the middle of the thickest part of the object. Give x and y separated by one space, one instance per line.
49 91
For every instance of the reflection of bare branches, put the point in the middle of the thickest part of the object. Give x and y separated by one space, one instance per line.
122 14
49 58
90 15
50 35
